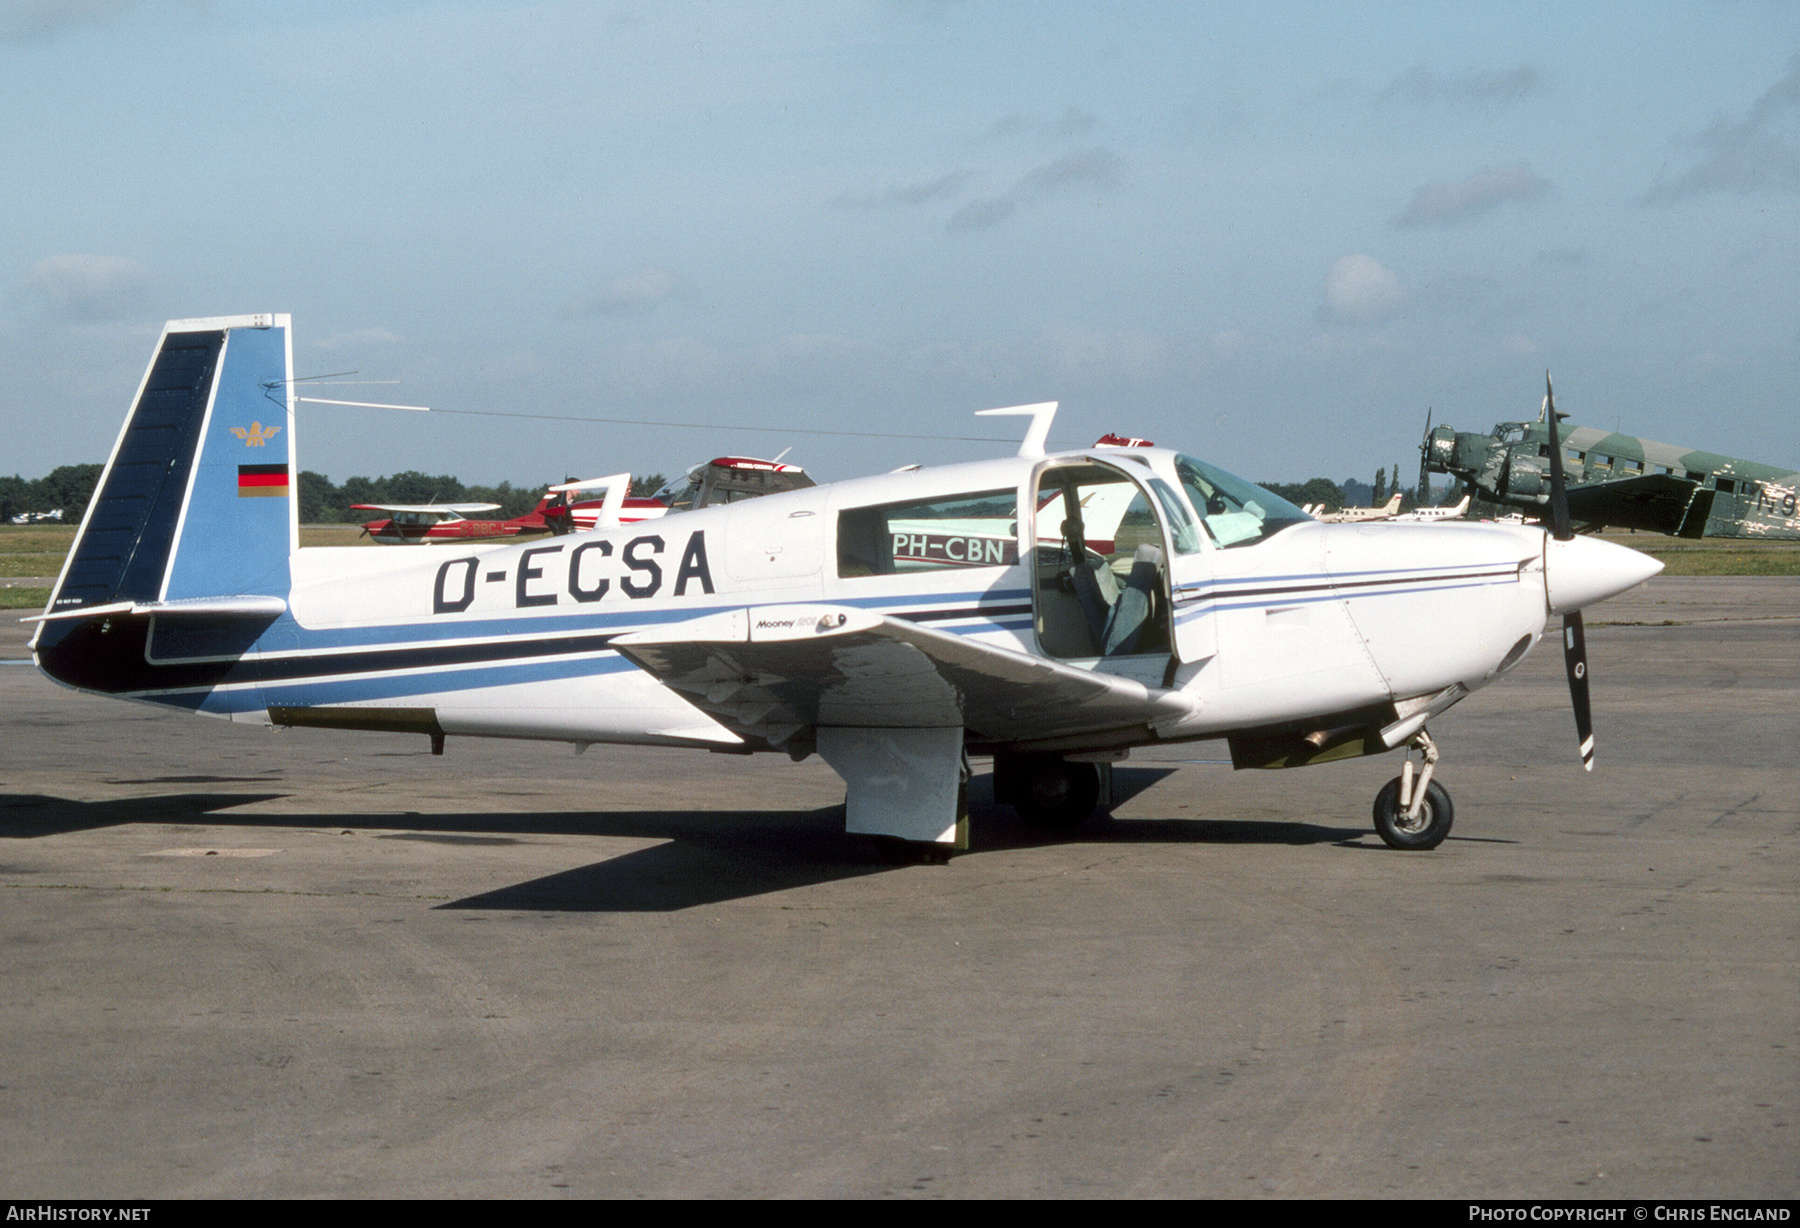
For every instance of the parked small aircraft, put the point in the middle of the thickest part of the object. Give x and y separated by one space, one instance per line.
1361 515
417 524
1455 511
731 479
1066 608
557 513
1618 480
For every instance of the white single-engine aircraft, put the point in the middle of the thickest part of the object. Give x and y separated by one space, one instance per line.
1050 610
1361 515
1432 515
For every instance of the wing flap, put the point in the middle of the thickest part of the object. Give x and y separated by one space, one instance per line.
768 670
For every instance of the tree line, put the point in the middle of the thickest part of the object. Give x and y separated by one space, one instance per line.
68 487
322 501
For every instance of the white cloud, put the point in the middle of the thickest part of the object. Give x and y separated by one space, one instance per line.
84 287
1073 122
981 214
1756 152
1448 202
637 293
1479 87
27 20
1361 290
1098 167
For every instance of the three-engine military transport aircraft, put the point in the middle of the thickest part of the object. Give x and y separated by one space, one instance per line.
1619 480
1052 610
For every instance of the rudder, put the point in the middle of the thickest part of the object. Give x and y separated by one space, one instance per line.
197 498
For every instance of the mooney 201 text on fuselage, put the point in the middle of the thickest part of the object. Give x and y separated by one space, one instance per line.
1053 610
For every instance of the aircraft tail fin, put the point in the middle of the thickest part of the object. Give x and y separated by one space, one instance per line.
198 498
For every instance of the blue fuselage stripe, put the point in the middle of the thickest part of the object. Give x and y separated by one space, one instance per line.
498 652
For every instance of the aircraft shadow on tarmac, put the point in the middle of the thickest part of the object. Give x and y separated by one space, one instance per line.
808 849
34 815
701 858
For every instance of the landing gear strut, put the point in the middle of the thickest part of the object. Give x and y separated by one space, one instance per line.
1414 813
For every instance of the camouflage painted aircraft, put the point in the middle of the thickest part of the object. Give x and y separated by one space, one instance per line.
1619 480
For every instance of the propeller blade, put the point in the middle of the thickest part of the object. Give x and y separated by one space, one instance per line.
1425 462
1574 630
1559 495
1575 661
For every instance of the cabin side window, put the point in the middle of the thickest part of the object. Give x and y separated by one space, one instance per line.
954 532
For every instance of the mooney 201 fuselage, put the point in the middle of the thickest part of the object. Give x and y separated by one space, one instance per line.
1053 610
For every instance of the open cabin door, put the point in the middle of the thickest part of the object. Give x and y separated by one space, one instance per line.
1104 537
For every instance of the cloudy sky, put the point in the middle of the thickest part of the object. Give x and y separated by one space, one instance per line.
1273 235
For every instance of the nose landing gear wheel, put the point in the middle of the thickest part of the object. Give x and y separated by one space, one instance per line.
1425 830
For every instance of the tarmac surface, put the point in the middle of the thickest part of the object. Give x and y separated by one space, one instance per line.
247 963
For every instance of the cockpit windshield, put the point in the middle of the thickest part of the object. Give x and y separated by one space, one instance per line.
1234 512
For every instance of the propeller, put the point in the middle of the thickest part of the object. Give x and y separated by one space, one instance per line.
1574 631
1425 463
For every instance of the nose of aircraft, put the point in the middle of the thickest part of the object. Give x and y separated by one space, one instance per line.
1583 570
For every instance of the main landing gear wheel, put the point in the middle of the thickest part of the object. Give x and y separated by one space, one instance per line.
1055 794
1424 830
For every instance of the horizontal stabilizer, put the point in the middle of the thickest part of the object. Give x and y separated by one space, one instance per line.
211 607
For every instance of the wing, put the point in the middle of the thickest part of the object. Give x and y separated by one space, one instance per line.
436 509
1654 502
770 670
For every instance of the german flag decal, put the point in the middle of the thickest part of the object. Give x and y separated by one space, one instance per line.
262 481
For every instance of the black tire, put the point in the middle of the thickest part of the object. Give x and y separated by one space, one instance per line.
1054 794
893 851
1427 831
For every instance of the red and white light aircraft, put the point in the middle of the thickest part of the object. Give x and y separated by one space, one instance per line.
725 479
1139 596
557 512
